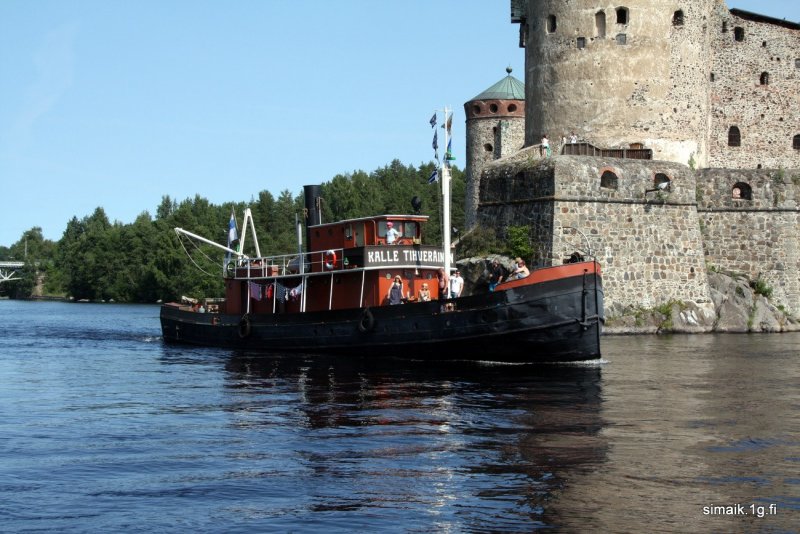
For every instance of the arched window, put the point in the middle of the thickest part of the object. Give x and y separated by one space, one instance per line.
600 24
796 142
551 23
662 182
734 136
677 18
738 33
609 180
622 15
742 191
764 79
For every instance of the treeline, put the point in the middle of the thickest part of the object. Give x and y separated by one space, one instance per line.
146 261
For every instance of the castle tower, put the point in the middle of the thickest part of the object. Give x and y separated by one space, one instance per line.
619 75
495 128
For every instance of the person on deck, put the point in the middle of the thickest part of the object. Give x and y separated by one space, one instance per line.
521 271
395 294
424 293
444 282
496 275
391 234
456 285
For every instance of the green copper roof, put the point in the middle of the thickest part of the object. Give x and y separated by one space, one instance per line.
509 88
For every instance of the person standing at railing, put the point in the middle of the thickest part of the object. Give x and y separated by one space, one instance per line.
391 234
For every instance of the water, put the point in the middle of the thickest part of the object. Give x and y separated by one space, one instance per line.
103 428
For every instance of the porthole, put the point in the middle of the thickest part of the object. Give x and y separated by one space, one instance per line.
512 108
493 108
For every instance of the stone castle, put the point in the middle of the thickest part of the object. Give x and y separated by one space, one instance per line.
687 119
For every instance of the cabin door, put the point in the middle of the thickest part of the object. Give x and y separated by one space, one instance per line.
358 228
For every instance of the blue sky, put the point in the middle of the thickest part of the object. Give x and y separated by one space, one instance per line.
115 103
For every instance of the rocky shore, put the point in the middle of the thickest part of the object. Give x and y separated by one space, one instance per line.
738 305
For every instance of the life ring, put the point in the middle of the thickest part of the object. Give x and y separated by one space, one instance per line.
230 269
244 326
330 259
367 321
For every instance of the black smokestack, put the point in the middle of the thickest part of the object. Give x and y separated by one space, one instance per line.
313 211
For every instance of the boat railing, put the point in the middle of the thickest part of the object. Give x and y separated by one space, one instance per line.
315 262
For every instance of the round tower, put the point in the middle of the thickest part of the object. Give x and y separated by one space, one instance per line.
620 75
495 128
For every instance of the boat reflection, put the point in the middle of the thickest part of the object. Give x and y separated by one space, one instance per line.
480 444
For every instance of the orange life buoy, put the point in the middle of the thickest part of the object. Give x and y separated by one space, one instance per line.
330 259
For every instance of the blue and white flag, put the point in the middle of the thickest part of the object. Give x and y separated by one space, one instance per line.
233 234
433 121
435 143
434 176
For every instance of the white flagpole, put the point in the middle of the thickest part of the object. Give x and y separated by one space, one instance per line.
445 174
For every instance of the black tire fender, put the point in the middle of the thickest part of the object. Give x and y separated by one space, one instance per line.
244 326
367 321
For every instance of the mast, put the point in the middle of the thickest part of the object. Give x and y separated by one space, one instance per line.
445 173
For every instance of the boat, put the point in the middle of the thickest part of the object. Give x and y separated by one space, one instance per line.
332 297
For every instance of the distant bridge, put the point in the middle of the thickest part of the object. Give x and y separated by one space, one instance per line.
8 270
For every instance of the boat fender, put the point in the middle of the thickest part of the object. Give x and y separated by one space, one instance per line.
244 326
330 259
367 322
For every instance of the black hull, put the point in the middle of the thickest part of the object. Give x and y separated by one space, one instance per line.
553 321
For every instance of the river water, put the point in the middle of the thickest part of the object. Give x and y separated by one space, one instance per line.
103 428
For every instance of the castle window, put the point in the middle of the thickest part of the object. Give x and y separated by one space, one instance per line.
763 44
734 136
551 24
600 23
493 108
764 80
581 42
622 38
797 63
677 18
742 191
738 33
796 142
512 108
724 27
476 109
661 182
609 180
712 77
622 15
488 147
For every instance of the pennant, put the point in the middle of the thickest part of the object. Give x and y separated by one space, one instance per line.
233 234
434 176
435 140
449 123
433 121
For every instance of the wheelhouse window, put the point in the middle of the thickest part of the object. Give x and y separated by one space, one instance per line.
410 229
734 136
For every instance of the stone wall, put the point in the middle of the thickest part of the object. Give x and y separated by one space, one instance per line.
619 75
674 77
754 232
648 241
754 85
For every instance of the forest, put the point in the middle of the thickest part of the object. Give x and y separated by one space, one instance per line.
145 261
